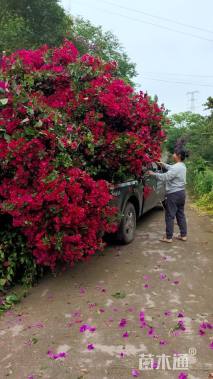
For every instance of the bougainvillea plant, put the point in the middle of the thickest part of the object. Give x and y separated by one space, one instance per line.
68 127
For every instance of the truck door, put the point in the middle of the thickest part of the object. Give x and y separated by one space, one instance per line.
154 190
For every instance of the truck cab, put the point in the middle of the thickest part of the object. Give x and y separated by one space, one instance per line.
133 199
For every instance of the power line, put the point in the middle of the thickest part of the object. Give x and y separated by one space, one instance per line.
151 23
177 74
157 17
179 82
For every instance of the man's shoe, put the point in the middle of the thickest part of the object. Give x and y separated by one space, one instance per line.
180 238
165 239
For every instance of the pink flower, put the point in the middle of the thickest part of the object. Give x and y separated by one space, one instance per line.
151 331
83 328
122 323
135 373
37 325
92 305
69 128
101 310
201 332
180 314
168 313
92 329
181 325
146 286
90 346
56 356
155 365
183 375
125 335
163 342
131 309
206 325
146 277
74 145
3 85
162 276
211 345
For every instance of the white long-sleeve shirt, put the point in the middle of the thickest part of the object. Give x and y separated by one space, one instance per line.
174 178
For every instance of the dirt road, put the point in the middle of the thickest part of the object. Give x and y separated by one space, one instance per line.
91 334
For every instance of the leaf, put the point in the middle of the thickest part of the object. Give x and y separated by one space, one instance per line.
12 299
119 295
25 120
2 282
3 101
34 340
39 124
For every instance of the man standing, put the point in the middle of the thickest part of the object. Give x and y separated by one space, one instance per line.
175 181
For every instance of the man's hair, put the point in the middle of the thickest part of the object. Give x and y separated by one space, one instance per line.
182 153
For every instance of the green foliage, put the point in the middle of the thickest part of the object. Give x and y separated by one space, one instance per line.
196 133
190 128
200 177
209 105
93 40
8 301
31 23
205 202
204 182
119 295
14 32
16 263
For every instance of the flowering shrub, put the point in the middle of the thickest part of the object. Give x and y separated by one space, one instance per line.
67 125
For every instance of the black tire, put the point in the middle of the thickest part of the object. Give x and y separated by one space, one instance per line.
127 228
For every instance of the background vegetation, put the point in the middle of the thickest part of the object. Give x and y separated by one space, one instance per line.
196 133
28 24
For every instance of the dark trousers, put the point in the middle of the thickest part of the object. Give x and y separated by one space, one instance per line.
174 207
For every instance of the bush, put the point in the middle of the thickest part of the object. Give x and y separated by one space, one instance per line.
16 262
206 202
204 182
199 177
67 125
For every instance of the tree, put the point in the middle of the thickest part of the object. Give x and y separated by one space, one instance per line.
38 22
93 40
14 33
209 105
195 131
209 131
28 24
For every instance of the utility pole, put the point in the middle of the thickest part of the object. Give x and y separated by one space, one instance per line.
192 99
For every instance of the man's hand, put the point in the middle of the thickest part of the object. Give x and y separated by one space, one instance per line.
161 164
151 173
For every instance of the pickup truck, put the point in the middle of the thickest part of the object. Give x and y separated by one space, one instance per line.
134 198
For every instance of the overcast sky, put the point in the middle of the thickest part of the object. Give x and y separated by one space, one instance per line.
169 64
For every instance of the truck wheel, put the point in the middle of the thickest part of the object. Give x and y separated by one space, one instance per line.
128 224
